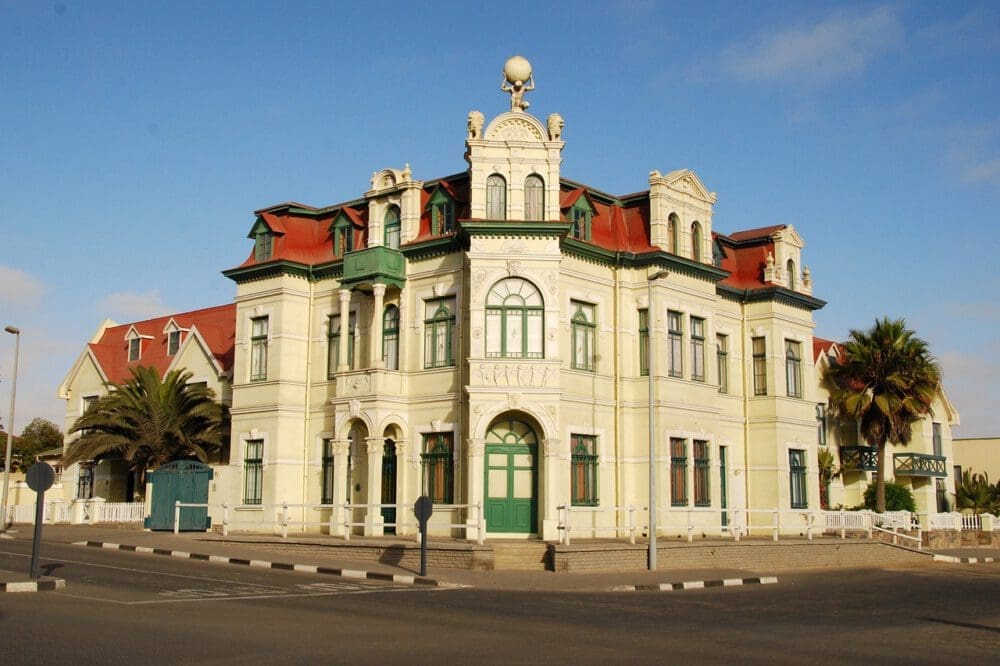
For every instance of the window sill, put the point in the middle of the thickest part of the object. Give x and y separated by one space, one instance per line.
249 507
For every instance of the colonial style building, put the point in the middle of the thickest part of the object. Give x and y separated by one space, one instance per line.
504 335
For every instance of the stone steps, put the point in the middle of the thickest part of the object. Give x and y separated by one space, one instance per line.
520 555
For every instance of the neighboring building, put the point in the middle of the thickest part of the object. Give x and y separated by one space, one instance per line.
978 455
200 342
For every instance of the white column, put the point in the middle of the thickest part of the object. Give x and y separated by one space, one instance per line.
555 468
373 517
345 329
375 342
474 470
341 491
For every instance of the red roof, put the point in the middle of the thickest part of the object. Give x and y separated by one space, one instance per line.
216 326
754 234
821 346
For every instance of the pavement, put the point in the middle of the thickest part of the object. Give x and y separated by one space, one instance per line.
307 554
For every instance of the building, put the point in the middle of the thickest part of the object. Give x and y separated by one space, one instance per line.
501 337
977 455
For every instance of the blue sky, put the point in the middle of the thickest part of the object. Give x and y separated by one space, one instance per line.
136 139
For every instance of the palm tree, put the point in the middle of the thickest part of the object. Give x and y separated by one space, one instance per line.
886 380
975 492
149 421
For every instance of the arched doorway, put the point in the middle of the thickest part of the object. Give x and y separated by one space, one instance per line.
389 483
511 468
357 472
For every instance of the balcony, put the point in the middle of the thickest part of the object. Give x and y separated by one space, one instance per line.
858 458
374 264
920 464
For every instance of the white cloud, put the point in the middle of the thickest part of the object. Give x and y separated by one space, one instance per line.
18 288
126 306
840 45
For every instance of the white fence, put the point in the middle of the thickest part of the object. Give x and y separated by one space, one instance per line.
79 512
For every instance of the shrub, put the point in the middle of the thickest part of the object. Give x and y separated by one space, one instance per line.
897 497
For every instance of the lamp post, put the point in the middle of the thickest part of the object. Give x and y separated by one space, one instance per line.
16 332
652 419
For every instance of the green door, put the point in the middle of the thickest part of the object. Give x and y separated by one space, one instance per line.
511 466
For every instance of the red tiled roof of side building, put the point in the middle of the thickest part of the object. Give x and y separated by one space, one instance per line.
821 346
746 265
216 326
301 240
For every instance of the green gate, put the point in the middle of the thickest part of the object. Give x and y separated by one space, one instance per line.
511 478
184 481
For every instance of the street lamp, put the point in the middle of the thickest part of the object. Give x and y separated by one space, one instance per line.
652 418
16 332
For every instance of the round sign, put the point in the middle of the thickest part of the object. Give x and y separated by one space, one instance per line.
41 476
423 508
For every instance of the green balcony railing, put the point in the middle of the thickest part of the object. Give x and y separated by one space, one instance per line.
920 464
858 458
375 264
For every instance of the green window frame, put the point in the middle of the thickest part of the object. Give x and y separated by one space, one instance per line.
173 342
263 245
581 217
534 198
797 479
392 227
793 368
675 337
333 343
343 236
438 463
326 491
439 332
702 472
496 197
722 361
697 349
583 470
643 343
258 348
390 337
582 330
442 215
678 472
759 347
515 320
253 472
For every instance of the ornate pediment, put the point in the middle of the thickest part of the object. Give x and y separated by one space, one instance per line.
686 181
515 127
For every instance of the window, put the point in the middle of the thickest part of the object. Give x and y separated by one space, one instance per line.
797 478
258 349
583 468
173 342
437 462
675 332
759 366
343 236
580 215
442 214
253 471
515 320
674 229
333 343
534 198
326 496
936 435
793 368
390 337
697 349
392 228
790 268
263 244
702 496
496 198
696 241
134 348
85 481
821 423
582 330
644 342
678 472
439 326
722 360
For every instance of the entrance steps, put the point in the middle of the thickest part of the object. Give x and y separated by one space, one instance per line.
520 555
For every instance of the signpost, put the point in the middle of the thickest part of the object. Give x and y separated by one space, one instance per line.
41 476
422 509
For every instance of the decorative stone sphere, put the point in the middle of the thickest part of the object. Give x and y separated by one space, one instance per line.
517 69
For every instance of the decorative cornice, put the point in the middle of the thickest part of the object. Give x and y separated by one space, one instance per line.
268 269
775 293
434 247
504 228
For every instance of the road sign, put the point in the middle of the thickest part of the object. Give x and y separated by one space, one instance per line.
423 508
41 476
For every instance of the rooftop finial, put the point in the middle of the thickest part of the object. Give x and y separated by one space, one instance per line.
517 80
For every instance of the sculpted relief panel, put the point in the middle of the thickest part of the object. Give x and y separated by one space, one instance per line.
526 375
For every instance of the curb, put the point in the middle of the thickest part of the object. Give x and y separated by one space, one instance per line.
284 566
963 560
43 584
696 584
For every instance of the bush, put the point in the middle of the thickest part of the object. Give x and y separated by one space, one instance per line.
897 497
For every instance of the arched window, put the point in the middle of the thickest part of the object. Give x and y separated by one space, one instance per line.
496 198
790 267
696 241
534 198
515 320
392 228
390 337
674 230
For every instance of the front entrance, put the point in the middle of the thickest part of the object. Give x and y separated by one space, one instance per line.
511 466
389 484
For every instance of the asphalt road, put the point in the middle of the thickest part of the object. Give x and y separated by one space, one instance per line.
128 608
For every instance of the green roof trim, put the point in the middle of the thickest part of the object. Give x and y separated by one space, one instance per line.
268 269
657 258
433 247
777 294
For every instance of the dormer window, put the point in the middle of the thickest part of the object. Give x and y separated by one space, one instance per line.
442 213
134 349
173 342
343 236
263 246
392 228
580 215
